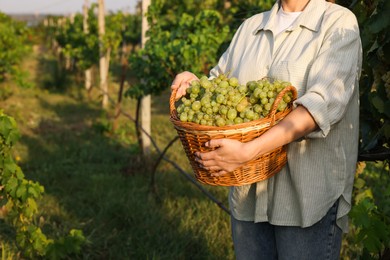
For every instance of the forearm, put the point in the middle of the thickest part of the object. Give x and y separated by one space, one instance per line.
295 125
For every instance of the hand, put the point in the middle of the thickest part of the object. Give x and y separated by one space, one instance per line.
228 155
182 82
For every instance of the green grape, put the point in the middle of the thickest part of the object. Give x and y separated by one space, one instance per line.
207 105
220 121
242 114
222 76
223 84
264 101
196 105
251 85
257 108
236 99
250 114
238 120
233 82
199 115
205 83
282 105
223 110
220 98
231 92
209 111
195 83
252 99
267 106
195 89
180 108
229 122
242 89
262 95
286 98
257 91
205 100
272 87
231 114
183 117
271 94
240 107
186 101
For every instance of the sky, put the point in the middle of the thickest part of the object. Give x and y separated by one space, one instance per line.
60 6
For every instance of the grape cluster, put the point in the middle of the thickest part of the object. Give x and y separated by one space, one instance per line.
223 101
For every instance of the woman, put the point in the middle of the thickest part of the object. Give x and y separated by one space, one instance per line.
301 212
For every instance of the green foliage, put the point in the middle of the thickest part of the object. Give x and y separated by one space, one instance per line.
19 196
370 214
13 47
374 21
75 44
177 41
82 47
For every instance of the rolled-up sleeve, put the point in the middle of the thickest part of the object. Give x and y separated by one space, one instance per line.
333 77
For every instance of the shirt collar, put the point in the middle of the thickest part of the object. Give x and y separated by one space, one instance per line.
310 18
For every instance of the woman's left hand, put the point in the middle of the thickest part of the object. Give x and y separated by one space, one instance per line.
228 155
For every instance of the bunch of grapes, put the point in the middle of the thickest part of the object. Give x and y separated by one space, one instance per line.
223 101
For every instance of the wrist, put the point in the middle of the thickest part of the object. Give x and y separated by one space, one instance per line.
253 149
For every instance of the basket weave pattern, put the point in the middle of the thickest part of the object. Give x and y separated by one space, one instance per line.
194 136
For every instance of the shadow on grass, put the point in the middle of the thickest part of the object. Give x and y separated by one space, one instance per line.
85 173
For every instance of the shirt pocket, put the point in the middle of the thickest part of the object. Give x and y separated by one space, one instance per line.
294 72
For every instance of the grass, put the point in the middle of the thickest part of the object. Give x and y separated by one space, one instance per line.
96 181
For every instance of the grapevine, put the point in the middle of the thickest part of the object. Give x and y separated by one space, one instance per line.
18 199
223 101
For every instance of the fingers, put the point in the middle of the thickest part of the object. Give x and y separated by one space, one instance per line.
214 170
182 82
207 156
214 143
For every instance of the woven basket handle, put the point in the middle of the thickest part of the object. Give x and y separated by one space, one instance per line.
172 108
278 98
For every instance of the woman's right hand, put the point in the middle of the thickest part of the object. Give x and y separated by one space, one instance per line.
182 82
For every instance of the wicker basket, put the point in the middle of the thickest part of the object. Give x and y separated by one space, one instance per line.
194 136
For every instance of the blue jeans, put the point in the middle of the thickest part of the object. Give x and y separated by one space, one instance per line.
265 241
